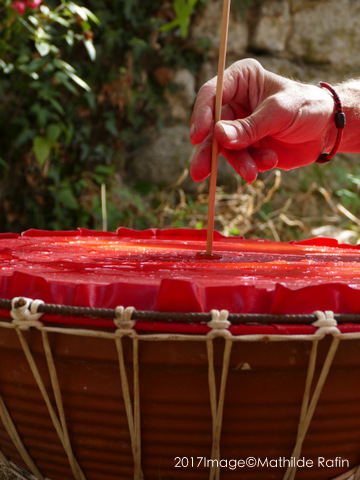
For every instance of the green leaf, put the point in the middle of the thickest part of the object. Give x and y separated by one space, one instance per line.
67 198
7 67
69 37
184 27
41 33
183 10
91 16
83 12
53 132
64 65
62 21
33 20
79 81
45 10
24 58
90 49
179 7
85 26
355 180
41 148
43 48
62 78
104 170
56 105
110 125
169 26
42 114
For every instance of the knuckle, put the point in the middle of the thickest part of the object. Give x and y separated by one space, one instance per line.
248 63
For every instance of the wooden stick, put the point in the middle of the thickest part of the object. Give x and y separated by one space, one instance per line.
217 117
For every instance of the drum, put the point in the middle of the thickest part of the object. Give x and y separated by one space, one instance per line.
126 356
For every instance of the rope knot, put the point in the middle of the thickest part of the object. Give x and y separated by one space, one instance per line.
123 320
219 323
24 312
325 323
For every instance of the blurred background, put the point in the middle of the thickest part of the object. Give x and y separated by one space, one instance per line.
96 99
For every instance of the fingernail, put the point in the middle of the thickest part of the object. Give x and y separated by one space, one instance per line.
192 129
248 173
230 131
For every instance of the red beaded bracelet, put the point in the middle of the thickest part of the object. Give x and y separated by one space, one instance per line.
340 122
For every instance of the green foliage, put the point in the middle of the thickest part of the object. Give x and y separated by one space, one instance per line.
349 194
78 85
36 80
30 44
183 11
341 179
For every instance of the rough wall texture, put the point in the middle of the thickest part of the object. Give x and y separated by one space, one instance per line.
308 40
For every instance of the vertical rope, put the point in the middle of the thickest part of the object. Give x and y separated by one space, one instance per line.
326 325
304 426
78 474
125 327
219 325
15 437
220 409
212 383
137 429
125 391
309 379
25 315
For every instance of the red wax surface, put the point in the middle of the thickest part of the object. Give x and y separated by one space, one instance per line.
159 270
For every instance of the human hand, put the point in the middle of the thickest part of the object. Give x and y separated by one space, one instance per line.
267 121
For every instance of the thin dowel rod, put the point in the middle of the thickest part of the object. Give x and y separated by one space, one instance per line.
217 117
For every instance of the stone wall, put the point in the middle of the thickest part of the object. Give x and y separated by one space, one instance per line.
308 40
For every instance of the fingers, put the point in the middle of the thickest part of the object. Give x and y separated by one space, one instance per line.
265 158
201 163
202 118
246 121
243 164
247 163
246 132
243 83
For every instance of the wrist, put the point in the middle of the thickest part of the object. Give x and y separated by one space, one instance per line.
349 93
331 130
339 120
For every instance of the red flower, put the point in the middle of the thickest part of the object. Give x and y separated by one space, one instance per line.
19 7
33 3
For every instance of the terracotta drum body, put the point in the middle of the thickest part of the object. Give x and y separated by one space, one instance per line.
119 393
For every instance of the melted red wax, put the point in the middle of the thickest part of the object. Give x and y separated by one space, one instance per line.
208 256
159 270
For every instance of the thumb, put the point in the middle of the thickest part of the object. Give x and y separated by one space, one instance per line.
245 132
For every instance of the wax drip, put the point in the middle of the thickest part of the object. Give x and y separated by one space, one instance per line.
208 256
